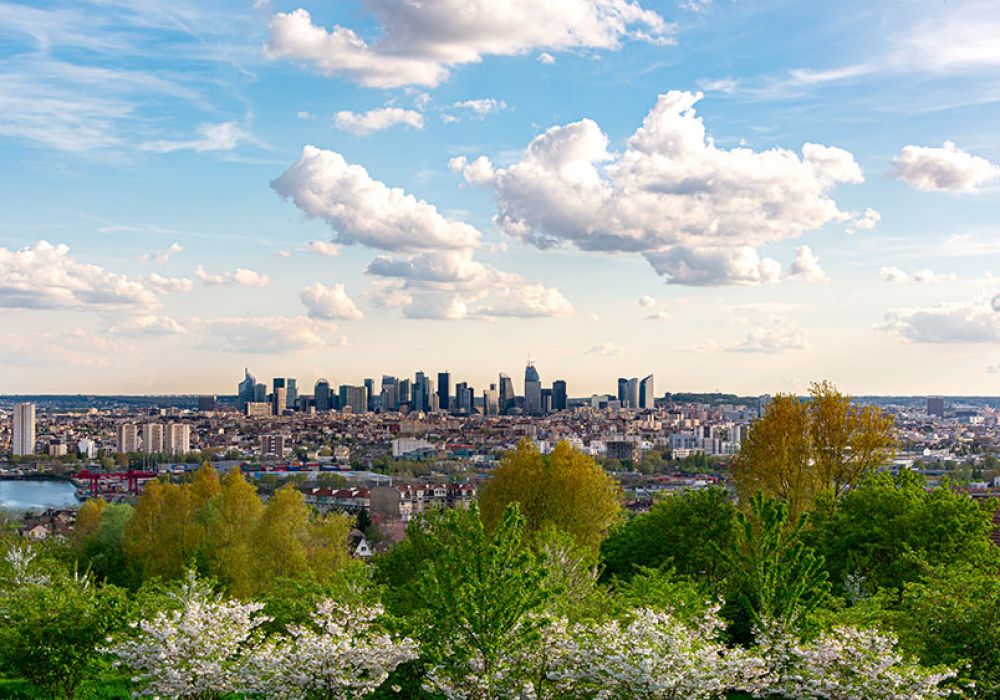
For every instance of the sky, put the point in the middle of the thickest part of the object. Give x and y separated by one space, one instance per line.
734 196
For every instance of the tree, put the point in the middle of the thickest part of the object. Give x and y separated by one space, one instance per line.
164 535
231 517
685 532
88 520
801 449
566 489
103 552
279 538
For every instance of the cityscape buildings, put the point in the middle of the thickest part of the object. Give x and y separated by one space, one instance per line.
24 429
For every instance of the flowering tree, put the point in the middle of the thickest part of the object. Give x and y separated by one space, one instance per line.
198 652
846 663
342 655
654 656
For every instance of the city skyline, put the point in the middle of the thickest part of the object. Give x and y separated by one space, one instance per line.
739 197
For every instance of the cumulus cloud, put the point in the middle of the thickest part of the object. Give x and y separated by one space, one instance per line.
527 301
162 256
270 335
241 276
211 137
696 211
977 321
330 303
806 266
365 123
646 301
948 168
363 210
607 349
46 276
778 336
896 275
164 285
546 58
479 172
324 248
864 221
419 42
148 325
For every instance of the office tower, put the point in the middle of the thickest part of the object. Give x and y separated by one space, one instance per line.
260 393
246 392
128 438
559 400
370 393
390 393
633 393
532 390
935 406
421 394
506 393
177 439
279 399
403 392
546 400
153 439
23 442
647 396
354 398
322 396
491 401
292 397
623 391
444 389
278 383
206 403
274 445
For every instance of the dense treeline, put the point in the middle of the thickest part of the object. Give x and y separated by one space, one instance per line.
826 578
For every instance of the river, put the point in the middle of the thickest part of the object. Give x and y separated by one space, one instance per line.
36 494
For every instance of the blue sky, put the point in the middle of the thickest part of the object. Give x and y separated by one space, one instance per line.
740 196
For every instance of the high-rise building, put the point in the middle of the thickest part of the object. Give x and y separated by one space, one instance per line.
258 409
272 445
279 399
87 448
23 442
246 392
647 395
444 390
206 403
370 394
404 392
465 398
177 439
506 393
292 397
322 396
559 400
390 393
354 398
763 401
546 401
491 401
260 392
632 396
421 393
153 441
532 390
128 438
623 391
935 406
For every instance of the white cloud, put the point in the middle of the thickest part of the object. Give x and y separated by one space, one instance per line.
659 316
482 106
162 256
952 322
806 266
864 221
421 41
646 301
45 276
948 168
164 285
211 137
896 275
305 115
778 336
363 210
269 335
330 303
607 349
697 212
546 58
241 276
365 123
479 172
148 325
527 301
324 248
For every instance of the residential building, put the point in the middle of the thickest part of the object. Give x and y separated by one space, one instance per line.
153 438
272 445
23 441
128 438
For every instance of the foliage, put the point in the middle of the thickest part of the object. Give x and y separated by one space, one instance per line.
662 590
566 489
800 450
685 531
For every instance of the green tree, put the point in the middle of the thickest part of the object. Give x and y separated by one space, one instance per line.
231 519
684 531
566 490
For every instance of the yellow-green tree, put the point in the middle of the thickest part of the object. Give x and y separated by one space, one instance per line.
231 518
326 544
800 450
205 485
163 535
279 540
566 490
88 520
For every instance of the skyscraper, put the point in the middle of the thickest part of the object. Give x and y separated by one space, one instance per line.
491 401
279 399
23 442
389 393
623 391
935 406
559 401
153 439
354 397
177 439
532 390
633 392
405 392
322 396
647 395
370 393
423 387
128 436
444 390
246 392
506 393
293 392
